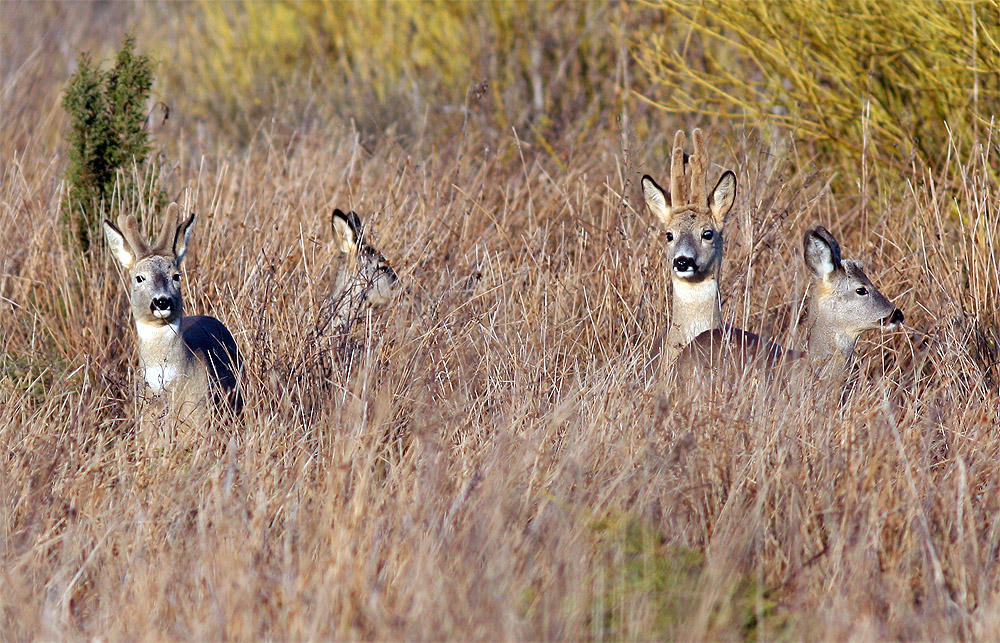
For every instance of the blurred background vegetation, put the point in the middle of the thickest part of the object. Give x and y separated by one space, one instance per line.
409 66
891 88
899 82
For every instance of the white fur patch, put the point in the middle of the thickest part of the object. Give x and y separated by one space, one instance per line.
159 377
157 333
157 338
695 307
704 291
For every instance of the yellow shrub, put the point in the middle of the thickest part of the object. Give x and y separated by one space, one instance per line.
900 73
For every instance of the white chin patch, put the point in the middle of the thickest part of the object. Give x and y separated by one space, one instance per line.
892 326
162 314
684 274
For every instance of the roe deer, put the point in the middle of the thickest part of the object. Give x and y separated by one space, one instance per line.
844 304
365 279
694 221
185 360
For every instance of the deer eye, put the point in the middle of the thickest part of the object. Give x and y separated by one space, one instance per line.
177 276
139 279
670 237
707 235
862 291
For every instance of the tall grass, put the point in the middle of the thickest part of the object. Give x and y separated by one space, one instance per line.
492 465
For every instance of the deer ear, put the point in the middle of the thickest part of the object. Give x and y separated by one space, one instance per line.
119 247
822 253
720 202
181 239
656 198
344 233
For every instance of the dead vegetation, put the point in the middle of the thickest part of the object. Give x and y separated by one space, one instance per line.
487 461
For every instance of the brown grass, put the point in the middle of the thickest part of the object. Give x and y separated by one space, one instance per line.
492 466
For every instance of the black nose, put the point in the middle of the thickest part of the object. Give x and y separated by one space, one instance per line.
683 264
896 317
162 303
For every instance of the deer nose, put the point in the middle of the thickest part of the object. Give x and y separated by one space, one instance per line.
683 264
162 303
896 317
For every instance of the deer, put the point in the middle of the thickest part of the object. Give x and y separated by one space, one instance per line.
189 362
694 219
365 279
843 304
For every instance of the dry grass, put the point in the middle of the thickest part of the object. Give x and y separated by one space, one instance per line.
492 466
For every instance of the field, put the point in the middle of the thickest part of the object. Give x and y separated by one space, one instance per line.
483 459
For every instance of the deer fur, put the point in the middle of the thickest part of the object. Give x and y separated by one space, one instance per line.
694 219
843 304
188 362
365 280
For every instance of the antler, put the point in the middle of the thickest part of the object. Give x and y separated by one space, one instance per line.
678 190
129 226
168 233
694 190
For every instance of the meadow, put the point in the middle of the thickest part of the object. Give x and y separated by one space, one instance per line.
488 461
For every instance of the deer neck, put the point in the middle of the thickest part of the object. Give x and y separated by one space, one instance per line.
695 309
826 341
162 353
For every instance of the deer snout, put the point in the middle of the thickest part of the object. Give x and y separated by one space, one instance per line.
684 264
894 320
162 307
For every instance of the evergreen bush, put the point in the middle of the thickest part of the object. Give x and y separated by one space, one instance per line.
107 135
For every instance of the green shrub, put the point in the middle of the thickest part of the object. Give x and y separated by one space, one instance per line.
889 78
107 111
642 569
